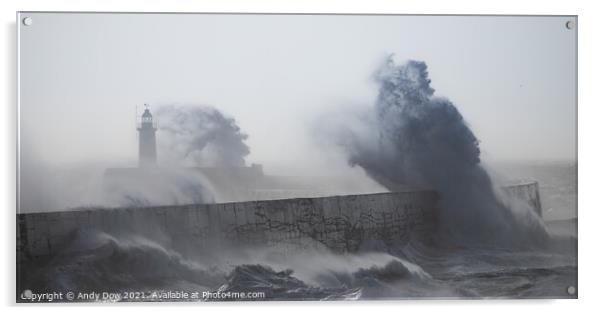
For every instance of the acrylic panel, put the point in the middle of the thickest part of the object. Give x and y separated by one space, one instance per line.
190 157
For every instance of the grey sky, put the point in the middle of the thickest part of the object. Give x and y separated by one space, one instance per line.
513 78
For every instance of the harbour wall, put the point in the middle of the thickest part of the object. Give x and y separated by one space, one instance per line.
527 191
340 223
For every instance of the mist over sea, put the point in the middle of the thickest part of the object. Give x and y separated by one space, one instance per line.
111 263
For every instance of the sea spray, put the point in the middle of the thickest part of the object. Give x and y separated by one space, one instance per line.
415 138
200 136
99 261
188 136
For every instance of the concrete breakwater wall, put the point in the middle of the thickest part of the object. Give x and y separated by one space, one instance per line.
341 223
526 191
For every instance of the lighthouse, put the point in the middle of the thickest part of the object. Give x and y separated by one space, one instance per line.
147 146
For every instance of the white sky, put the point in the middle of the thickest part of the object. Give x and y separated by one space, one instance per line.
82 75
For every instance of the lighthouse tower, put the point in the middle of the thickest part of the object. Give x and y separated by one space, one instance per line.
147 146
